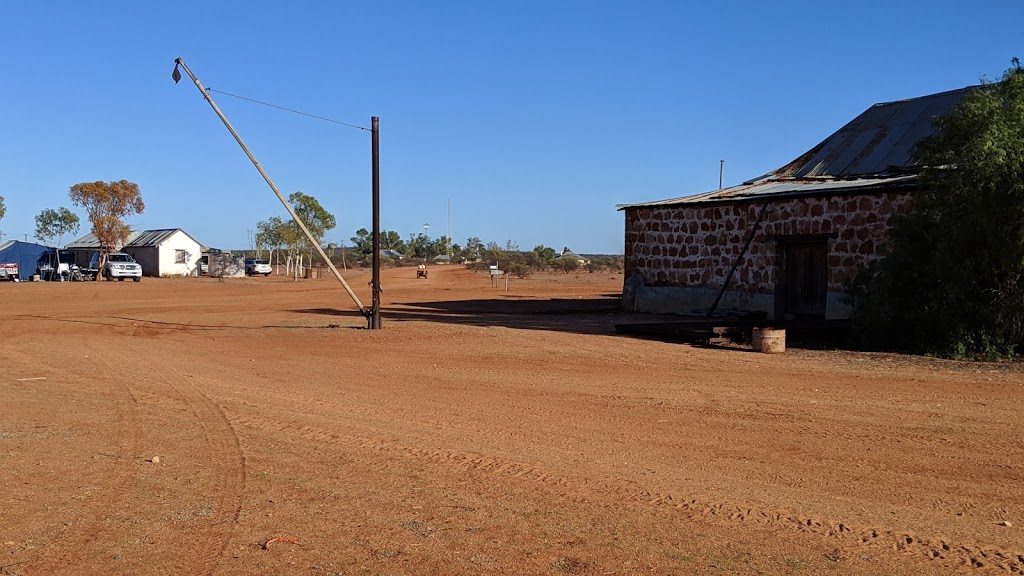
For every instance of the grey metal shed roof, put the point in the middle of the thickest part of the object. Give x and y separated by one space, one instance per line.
89 241
149 238
874 150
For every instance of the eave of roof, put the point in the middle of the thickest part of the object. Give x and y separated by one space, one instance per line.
779 189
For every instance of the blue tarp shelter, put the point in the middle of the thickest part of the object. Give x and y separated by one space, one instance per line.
24 253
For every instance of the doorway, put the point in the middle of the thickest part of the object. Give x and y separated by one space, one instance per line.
802 290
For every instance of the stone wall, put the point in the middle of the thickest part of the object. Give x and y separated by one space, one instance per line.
693 246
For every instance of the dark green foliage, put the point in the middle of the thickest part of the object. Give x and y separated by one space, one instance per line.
545 253
952 282
54 224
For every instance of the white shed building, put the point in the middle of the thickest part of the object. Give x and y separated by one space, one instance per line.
167 252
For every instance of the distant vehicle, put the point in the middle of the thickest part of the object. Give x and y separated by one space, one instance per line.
9 271
203 266
119 265
56 265
255 266
421 271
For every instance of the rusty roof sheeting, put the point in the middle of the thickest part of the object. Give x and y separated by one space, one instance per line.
880 141
875 149
784 188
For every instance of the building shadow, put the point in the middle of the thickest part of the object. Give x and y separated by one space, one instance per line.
602 316
581 316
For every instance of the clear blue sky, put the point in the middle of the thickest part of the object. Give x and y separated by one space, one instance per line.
535 117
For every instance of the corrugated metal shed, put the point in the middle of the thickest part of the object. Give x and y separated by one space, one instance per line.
874 150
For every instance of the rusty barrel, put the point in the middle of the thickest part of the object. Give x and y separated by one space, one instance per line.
770 340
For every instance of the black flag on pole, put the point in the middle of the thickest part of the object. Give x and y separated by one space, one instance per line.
176 76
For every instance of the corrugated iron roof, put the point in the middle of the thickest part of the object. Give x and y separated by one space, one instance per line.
151 237
880 141
875 149
784 188
89 241
136 239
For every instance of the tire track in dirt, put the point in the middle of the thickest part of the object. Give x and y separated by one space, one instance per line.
77 543
227 460
969 555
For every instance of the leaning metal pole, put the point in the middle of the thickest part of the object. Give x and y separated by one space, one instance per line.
287 206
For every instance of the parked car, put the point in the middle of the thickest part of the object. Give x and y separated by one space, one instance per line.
203 266
119 265
257 266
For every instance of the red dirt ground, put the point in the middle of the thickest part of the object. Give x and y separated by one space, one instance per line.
480 432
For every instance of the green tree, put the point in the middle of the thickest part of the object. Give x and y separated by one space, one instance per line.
106 205
474 248
493 253
316 218
363 241
3 208
270 236
419 246
54 224
546 253
391 240
294 242
952 281
439 246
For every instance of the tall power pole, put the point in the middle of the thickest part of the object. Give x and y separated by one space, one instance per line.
374 316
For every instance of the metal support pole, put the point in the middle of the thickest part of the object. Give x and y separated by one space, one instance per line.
739 258
374 316
721 172
313 241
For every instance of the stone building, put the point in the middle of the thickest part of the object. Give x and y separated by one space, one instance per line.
810 224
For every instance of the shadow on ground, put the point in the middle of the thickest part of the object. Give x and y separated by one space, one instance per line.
581 316
595 316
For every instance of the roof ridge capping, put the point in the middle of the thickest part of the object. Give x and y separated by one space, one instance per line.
964 90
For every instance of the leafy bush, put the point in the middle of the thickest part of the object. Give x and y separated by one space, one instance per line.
952 281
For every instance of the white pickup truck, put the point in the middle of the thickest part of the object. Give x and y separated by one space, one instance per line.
119 265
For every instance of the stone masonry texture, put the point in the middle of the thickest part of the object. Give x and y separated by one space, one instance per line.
694 245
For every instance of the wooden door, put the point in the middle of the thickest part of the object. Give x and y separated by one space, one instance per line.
805 278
